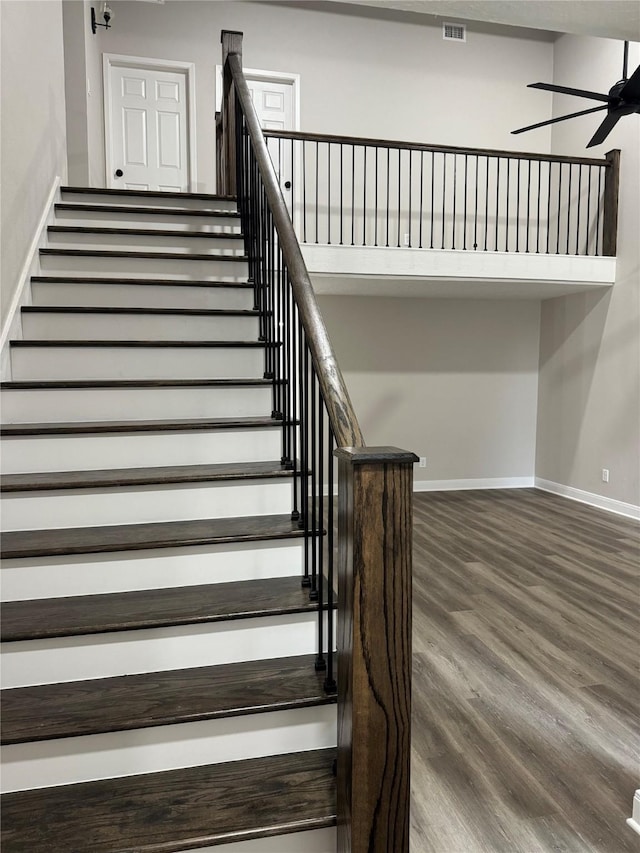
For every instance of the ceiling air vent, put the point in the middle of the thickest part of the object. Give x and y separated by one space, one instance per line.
454 32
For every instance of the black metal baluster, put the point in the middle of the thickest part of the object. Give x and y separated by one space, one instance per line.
497 202
598 236
304 191
433 156
313 595
518 209
330 683
466 185
528 201
486 208
538 209
549 208
444 194
588 228
475 210
375 223
353 194
559 207
578 211
295 414
421 193
317 188
303 523
399 190
453 224
329 193
364 196
409 226
321 664
388 169
283 359
341 186
569 206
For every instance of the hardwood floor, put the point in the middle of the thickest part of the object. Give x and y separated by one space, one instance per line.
525 690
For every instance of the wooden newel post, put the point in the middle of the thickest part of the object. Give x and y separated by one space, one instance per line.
226 153
610 218
374 649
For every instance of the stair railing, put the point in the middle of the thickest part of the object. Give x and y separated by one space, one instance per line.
367 532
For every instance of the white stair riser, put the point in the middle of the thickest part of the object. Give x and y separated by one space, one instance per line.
136 327
151 750
165 221
141 296
176 268
140 504
113 362
176 647
138 449
161 568
214 244
101 404
150 200
313 841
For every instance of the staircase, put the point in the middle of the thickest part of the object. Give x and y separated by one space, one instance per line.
159 683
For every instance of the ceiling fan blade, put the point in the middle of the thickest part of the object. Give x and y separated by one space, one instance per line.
631 90
605 128
561 118
565 90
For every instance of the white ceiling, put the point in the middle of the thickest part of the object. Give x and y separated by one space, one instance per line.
619 19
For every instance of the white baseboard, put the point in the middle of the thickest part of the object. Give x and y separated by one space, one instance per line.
599 501
633 824
12 328
479 483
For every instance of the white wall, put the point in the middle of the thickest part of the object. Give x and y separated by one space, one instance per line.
361 74
33 126
452 380
589 387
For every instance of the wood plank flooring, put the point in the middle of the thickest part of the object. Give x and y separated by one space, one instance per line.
526 690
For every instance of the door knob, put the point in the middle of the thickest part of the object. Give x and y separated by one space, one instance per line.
287 185
119 173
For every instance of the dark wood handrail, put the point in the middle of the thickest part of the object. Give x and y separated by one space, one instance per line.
438 149
334 391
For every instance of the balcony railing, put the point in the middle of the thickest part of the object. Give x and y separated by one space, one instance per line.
352 191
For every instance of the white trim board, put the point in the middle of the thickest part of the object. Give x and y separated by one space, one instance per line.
12 329
113 60
599 501
478 483
261 74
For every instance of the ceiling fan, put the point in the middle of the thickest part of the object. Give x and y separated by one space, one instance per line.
623 99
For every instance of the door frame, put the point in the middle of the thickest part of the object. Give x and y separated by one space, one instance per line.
116 60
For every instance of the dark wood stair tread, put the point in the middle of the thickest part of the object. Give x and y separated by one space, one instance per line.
125 208
164 344
141 232
78 615
145 193
175 810
52 384
152 475
120 253
149 535
99 427
170 312
151 282
73 709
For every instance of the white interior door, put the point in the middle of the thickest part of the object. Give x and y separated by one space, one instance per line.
274 105
148 135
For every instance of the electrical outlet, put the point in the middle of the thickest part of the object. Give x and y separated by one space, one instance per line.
423 461
605 475
405 241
